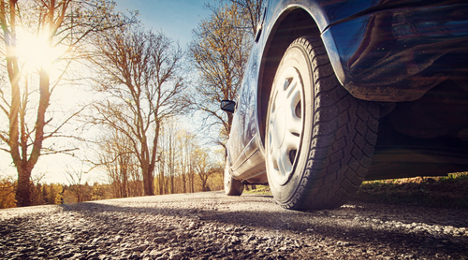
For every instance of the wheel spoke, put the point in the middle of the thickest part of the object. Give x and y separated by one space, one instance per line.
292 100
283 161
293 88
291 142
272 148
275 154
294 125
286 84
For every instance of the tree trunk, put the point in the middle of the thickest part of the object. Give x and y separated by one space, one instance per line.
161 183
184 183
124 174
192 178
148 182
172 183
23 190
203 180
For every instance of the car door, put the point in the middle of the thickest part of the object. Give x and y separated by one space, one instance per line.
244 137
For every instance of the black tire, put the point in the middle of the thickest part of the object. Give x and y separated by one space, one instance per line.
232 187
319 138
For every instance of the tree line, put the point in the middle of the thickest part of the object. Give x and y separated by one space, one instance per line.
56 193
142 85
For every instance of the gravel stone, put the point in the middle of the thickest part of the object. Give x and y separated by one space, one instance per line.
214 226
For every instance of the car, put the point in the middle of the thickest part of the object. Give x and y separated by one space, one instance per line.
338 92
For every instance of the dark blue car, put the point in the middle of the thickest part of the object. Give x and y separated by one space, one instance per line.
337 92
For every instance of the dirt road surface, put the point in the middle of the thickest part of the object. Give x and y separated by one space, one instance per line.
214 226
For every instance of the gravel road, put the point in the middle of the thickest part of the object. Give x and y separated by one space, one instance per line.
213 226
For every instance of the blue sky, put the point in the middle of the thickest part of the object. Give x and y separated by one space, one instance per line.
176 18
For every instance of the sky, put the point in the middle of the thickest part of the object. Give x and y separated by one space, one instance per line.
176 19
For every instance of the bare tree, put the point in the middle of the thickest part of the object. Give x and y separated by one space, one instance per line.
36 189
140 73
205 167
25 99
115 154
181 160
75 178
219 52
252 10
169 156
186 148
172 154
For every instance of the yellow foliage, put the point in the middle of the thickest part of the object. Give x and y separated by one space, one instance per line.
7 194
55 193
216 181
69 197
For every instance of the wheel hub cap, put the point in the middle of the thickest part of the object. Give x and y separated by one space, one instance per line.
285 125
279 125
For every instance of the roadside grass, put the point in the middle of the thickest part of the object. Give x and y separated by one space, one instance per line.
440 192
259 189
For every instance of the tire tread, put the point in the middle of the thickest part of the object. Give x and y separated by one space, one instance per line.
336 168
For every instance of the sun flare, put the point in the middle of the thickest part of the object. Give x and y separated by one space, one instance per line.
35 51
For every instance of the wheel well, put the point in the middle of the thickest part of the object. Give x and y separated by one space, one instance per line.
292 24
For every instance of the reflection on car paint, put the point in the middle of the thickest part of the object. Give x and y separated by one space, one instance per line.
244 127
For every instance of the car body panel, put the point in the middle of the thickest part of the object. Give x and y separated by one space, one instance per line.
390 30
396 59
380 26
244 146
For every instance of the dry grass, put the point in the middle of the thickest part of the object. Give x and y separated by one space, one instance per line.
259 189
440 192
446 192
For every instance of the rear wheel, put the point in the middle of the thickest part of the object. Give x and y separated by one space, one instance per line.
319 138
232 187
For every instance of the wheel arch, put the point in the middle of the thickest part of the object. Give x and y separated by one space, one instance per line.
294 22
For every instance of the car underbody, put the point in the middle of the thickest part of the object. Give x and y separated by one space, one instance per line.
425 137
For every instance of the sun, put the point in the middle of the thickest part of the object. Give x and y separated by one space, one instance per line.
35 51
